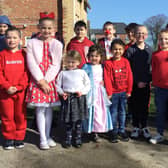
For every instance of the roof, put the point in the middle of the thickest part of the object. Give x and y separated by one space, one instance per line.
120 29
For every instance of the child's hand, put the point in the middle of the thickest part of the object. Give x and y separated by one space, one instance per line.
42 82
102 83
65 96
79 94
12 90
128 95
110 97
141 84
46 88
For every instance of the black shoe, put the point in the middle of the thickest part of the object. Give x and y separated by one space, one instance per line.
9 144
114 138
66 144
19 144
78 143
96 138
123 136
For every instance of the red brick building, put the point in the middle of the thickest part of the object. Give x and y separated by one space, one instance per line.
24 14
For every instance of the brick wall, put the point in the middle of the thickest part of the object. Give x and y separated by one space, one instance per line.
73 10
24 14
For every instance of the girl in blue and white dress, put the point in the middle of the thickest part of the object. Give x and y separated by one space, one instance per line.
98 103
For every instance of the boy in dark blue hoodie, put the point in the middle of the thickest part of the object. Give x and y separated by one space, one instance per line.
4 25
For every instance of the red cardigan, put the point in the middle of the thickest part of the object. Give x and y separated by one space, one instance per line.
13 71
160 69
118 76
81 47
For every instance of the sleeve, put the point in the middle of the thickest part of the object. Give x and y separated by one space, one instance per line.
154 73
33 66
55 67
108 78
150 68
85 68
4 83
86 82
128 54
23 82
130 78
59 83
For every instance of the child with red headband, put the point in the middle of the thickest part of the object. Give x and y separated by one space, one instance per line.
109 35
44 55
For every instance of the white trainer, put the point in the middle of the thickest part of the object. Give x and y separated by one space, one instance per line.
146 133
44 146
135 133
51 142
156 139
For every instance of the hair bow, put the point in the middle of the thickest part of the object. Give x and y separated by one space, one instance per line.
45 15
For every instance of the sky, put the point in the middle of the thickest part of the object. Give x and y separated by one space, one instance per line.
125 11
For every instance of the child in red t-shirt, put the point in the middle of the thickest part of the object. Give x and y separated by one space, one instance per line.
160 81
80 42
118 82
13 83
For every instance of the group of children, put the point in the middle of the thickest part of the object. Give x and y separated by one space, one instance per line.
92 86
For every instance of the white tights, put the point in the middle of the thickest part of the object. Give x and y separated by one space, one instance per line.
44 120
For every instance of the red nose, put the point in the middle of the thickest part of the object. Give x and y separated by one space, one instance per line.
107 32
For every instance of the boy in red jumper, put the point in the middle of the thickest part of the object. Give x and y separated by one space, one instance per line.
80 42
13 83
160 81
118 82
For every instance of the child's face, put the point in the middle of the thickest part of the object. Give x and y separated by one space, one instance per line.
13 40
163 41
3 28
141 34
109 31
71 63
94 58
117 51
47 29
130 35
80 32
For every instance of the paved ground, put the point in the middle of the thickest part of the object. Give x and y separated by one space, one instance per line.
132 154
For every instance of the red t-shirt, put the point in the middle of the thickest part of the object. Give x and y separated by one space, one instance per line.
118 76
160 69
81 47
13 71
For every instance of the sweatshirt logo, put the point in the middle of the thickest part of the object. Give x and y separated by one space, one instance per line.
14 62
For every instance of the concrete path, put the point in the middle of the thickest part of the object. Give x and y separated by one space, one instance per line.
132 154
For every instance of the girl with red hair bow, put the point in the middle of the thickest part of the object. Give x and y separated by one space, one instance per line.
44 55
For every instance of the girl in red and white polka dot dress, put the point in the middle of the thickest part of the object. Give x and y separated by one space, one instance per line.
44 55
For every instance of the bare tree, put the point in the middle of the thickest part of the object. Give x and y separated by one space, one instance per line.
154 25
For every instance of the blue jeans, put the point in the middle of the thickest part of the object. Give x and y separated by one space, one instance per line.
118 112
161 101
